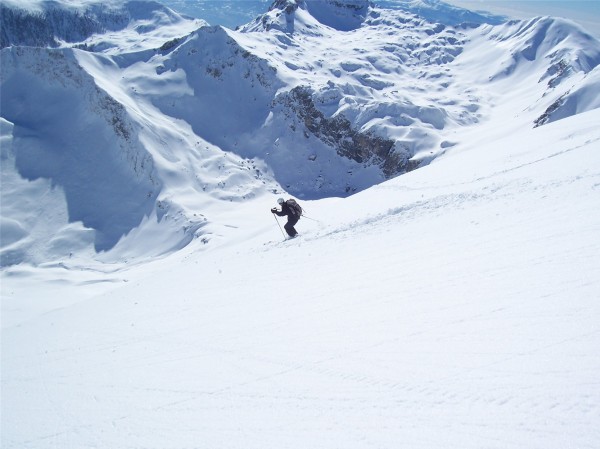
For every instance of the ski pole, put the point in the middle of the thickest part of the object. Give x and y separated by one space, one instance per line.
311 218
306 216
275 217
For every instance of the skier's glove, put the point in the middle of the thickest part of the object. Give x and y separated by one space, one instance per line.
273 210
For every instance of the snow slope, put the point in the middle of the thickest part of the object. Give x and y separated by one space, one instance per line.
441 12
455 306
149 300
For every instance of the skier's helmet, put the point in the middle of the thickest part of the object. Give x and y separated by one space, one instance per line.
280 201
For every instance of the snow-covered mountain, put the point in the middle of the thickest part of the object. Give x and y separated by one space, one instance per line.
92 25
145 119
436 11
148 299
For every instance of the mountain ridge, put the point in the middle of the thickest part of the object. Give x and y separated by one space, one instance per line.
55 23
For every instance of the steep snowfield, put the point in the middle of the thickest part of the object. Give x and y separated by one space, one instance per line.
455 306
150 301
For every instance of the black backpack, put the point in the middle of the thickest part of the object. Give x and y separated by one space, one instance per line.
294 207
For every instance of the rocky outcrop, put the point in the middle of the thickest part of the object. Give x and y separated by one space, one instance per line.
46 28
337 132
56 23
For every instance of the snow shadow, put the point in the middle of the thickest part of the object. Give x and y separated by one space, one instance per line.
81 140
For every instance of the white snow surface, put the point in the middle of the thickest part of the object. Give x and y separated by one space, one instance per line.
149 299
455 306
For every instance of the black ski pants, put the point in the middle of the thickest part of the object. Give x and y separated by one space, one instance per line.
289 226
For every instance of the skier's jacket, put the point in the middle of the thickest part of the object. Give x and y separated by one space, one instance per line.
290 208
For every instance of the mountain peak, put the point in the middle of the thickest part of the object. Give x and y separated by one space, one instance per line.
294 15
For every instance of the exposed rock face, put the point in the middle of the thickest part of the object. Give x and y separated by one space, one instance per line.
55 23
46 27
362 147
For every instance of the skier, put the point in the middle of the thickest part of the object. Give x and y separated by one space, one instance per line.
293 211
